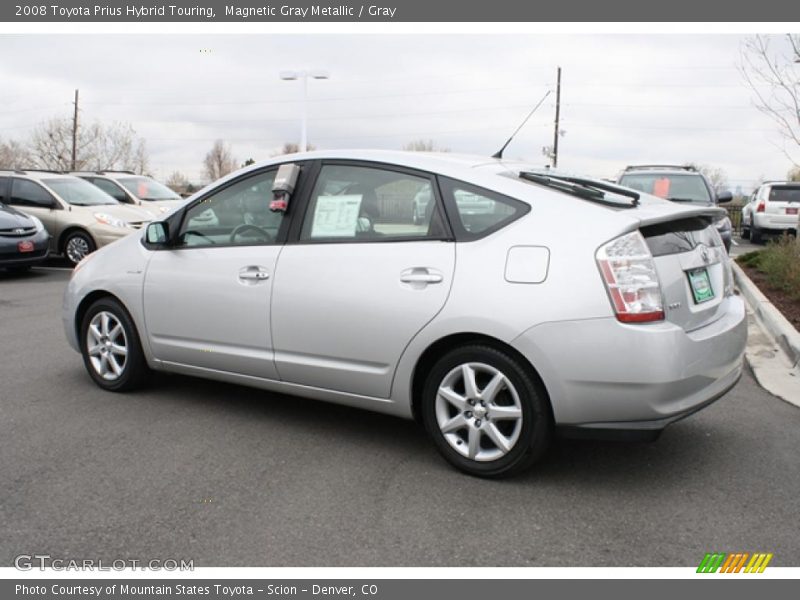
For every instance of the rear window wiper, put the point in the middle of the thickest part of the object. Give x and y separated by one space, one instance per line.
588 189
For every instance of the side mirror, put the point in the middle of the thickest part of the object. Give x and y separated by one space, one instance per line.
157 234
724 197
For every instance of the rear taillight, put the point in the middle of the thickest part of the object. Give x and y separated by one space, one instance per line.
629 273
761 206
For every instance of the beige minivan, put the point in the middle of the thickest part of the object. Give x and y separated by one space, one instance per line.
79 217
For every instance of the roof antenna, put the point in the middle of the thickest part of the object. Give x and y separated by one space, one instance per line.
499 153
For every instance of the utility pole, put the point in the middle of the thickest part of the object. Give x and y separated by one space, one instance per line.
558 114
75 133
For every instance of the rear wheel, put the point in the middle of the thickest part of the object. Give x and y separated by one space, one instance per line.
756 235
110 347
485 412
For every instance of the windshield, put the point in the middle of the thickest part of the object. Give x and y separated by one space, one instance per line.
79 192
785 194
145 188
679 187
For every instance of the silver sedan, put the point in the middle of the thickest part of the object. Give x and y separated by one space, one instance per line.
564 304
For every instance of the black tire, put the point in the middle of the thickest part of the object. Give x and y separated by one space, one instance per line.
756 236
134 369
535 429
81 238
745 233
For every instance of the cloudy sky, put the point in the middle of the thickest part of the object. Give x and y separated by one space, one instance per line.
625 98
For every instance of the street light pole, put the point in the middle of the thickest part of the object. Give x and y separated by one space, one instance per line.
303 76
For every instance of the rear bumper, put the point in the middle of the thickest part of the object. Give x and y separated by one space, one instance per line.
606 376
775 222
643 431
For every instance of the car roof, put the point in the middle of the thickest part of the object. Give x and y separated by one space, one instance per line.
34 173
659 170
432 161
103 173
780 183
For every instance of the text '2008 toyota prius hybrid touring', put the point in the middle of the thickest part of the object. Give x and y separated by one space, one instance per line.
564 303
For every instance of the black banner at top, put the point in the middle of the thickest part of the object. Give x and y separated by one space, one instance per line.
462 11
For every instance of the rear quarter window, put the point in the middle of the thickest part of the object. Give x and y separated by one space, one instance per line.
476 212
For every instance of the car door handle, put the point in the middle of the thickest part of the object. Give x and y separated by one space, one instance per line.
421 275
253 274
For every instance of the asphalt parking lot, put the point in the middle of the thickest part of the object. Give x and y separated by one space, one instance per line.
230 476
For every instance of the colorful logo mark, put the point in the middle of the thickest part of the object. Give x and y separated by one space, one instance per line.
734 562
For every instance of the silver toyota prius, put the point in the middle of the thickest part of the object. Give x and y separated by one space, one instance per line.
565 304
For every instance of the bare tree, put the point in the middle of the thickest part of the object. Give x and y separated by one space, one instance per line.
793 174
177 182
717 176
219 161
424 146
14 155
292 148
111 146
768 67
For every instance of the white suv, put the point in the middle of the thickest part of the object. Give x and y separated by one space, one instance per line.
773 209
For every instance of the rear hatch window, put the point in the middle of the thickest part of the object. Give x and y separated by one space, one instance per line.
693 269
788 194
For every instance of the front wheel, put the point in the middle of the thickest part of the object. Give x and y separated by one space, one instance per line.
78 245
485 412
110 347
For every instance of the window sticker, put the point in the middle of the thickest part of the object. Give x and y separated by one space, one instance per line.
661 187
336 216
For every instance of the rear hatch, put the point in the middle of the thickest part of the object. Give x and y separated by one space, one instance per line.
784 201
693 269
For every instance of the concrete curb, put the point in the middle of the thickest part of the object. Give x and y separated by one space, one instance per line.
786 336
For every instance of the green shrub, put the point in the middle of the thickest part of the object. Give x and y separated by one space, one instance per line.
750 259
780 262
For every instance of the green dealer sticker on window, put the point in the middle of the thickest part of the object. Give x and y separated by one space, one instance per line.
701 285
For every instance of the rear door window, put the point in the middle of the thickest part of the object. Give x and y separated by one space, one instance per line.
371 204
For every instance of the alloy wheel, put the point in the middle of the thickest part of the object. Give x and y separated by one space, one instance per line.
478 411
107 346
76 249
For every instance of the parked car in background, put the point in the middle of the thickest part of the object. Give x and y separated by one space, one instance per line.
79 216
24 242
565 303
773 209
127 187
683 184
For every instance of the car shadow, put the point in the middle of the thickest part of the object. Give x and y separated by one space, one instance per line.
27 275
671 458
